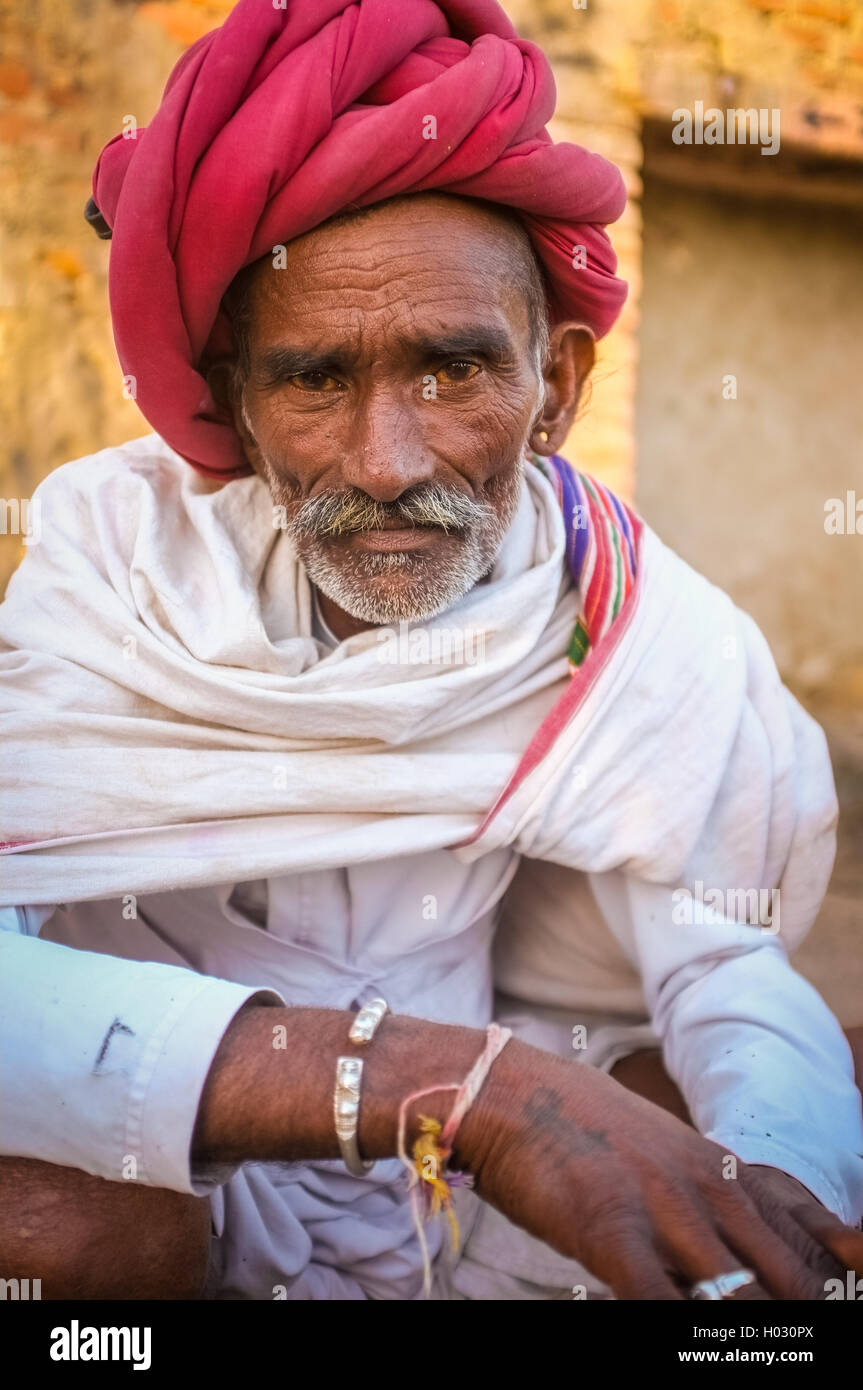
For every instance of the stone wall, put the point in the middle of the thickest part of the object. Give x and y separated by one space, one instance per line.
622 66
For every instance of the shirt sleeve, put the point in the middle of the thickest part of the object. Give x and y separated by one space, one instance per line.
103 1060
762 1062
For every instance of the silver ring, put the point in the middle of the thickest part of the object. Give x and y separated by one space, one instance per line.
723 1286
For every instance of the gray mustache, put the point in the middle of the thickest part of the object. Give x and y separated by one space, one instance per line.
427 504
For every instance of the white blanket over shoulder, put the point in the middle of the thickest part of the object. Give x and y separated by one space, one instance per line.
169 721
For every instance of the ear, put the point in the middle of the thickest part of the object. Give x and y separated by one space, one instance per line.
219 377
571 355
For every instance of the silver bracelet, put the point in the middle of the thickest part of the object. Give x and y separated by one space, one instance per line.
346 1098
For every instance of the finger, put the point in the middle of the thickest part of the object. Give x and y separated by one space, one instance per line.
696 1253
844 1243
781 1269
787 1218
633 1269
648 1281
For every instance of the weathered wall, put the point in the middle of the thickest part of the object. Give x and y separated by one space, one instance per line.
621 65
69 74
771 294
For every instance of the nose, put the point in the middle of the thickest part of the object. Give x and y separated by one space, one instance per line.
388 452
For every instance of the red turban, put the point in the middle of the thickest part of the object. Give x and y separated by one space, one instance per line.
284 117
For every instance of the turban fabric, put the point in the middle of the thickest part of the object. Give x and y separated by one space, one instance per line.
284 117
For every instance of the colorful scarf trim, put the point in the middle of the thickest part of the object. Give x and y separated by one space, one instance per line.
601 550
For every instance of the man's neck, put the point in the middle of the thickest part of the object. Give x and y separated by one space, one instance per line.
341 624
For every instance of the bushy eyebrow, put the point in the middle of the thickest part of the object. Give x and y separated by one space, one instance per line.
280 362
484 340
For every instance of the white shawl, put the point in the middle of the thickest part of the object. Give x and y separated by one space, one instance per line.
169 720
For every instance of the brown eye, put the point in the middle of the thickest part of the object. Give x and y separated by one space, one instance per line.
313 381
455 373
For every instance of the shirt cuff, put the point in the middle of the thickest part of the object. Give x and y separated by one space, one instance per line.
795 1164
166 1091
103 1060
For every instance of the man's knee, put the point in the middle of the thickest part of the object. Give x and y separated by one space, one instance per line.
85 1237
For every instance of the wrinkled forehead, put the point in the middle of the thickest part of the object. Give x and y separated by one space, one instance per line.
427 260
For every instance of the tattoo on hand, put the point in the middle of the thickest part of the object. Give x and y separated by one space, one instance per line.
543 1112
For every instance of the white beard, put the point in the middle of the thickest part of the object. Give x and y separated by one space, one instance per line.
407 586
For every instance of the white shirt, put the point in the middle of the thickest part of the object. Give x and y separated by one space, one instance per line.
105 1048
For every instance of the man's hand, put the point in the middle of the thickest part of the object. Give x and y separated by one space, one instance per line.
826 1239
635 1194
571 1155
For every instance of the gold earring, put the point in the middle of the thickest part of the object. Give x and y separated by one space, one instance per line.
543 434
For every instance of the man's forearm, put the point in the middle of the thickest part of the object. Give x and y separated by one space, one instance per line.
269 1103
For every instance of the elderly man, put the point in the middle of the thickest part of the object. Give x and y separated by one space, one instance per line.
344 691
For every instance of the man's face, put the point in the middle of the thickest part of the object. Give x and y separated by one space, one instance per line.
391 391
